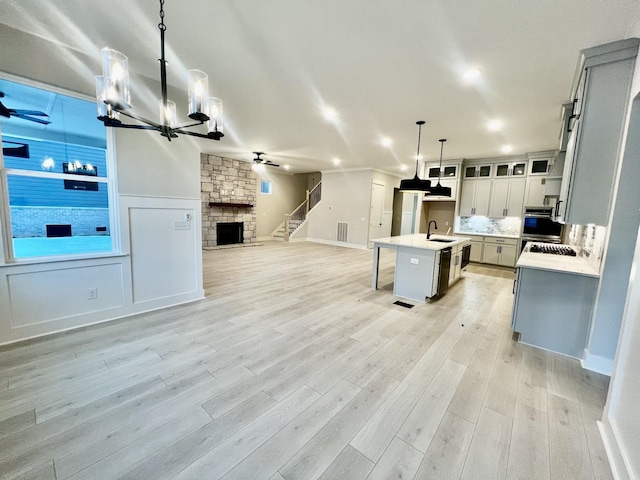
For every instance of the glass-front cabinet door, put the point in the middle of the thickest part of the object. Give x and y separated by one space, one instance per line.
484 171
448 171
502 170
539 167
519 169
471 171
515 169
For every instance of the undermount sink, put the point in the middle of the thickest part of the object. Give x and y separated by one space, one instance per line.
441 240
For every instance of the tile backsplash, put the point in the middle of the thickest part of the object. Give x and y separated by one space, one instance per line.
588 241
510 226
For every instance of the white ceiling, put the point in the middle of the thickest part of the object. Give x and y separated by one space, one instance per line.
381 64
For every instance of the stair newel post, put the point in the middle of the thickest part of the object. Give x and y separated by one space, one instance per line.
287 220
307 203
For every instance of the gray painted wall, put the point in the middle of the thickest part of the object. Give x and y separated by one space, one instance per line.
288 191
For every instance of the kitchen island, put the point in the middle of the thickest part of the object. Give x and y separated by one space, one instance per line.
419 264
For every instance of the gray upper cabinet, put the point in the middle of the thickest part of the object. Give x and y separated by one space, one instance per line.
568 119
601 97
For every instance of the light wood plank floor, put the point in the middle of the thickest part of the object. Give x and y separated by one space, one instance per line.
292 368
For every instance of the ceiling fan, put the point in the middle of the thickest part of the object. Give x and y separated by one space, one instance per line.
262 161
23 114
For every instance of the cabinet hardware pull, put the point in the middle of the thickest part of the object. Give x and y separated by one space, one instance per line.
514 286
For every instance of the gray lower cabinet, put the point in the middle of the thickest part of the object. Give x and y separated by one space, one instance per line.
500 251
552 310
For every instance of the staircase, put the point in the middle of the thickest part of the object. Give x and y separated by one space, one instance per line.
294 220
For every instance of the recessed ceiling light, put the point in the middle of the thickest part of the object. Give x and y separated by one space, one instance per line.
495 125
403 168
287 167
330 114
506 149
386 141
336 161
471 75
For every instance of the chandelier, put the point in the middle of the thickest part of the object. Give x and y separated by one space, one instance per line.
416 184
113 97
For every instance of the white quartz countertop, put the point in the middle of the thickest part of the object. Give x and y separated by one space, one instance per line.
557 263
419 240
476 234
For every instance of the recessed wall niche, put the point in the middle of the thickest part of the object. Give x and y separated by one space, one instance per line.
225 180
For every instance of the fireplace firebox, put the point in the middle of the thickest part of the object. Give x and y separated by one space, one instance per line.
229 233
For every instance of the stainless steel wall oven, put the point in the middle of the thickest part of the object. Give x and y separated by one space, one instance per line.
538 226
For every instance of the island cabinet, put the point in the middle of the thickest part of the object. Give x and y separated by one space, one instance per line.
601 92
507 197
475 197
424 268
416 275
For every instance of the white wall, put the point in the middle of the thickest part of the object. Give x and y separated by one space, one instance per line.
620 425
157 182
346 197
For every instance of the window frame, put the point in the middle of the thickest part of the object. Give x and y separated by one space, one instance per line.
7 254
269 183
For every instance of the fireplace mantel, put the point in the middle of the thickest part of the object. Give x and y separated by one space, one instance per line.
230 205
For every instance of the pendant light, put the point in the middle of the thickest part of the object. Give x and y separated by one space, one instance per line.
439 190
415 184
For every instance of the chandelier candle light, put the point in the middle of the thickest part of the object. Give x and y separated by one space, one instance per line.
415 184
113 97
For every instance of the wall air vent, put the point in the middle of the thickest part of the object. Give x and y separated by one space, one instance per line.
343 231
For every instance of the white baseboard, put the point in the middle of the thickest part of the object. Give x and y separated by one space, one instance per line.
337 244
112 314
596 363
615 454
267 239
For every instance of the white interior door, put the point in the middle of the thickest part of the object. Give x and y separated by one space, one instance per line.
377 207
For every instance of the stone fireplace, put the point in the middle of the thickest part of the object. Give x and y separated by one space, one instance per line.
230 185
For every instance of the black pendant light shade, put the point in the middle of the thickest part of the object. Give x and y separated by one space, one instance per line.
416 184
438 190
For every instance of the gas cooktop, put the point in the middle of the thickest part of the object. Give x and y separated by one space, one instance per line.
553 249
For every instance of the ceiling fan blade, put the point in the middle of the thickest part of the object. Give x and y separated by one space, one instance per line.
31 119
30 112
4 111
23 114
269 162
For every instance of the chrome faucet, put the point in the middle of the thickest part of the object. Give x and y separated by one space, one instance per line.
435 225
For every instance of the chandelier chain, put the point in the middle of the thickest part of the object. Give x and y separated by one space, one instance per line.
161 25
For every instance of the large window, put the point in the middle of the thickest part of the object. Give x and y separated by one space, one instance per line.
55 176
